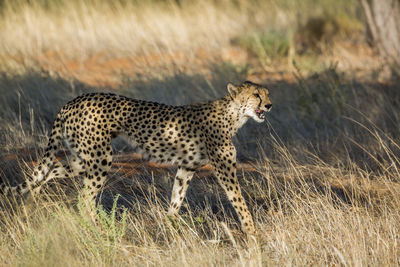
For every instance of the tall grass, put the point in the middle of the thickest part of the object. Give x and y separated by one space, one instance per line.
316 214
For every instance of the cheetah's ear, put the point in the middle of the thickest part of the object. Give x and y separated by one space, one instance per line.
232 89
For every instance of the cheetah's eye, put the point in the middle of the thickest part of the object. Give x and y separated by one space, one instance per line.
257 95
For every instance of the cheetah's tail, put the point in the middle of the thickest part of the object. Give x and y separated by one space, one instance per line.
42 170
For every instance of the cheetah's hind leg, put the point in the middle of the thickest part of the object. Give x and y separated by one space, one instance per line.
69 168
181 183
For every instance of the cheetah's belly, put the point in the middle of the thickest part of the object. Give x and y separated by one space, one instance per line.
186 152
176 150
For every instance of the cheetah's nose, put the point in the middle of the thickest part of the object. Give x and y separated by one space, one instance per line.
268 106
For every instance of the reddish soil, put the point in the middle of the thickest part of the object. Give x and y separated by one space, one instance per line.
129 163
107 70
104 70
133 164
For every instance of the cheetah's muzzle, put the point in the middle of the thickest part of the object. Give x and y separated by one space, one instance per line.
260 113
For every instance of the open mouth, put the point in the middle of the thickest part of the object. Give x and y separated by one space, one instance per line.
260 113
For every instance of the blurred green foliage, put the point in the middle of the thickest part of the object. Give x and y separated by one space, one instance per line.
269 45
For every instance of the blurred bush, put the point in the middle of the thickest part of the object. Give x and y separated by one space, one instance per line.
323 32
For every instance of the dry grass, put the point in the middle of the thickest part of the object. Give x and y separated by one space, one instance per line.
171 31
306 215
82 28
324 188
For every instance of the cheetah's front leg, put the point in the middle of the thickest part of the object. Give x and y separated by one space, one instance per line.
182 179
223 160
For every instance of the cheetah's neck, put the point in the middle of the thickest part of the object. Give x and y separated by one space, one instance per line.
233 113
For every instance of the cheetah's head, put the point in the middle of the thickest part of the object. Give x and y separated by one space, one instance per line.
252 98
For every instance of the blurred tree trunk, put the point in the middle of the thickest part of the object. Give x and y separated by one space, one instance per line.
383 18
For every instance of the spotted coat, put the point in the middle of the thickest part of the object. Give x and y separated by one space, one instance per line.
189 136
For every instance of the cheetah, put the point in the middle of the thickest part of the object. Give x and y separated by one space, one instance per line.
189 136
